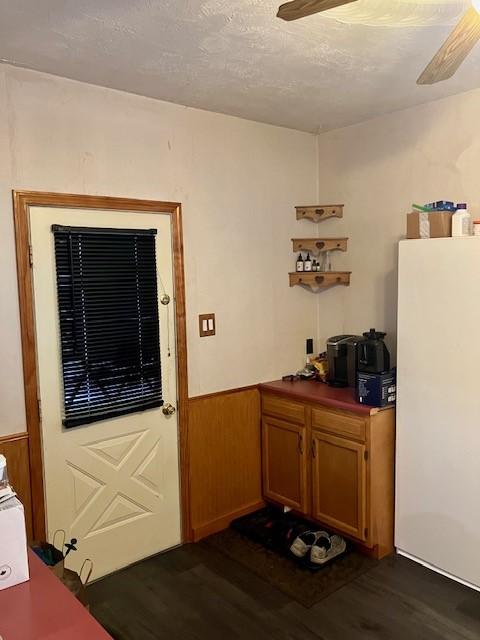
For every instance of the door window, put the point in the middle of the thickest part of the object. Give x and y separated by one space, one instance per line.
108 318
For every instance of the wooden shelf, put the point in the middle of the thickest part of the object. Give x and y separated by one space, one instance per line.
319 212
316 246
317 280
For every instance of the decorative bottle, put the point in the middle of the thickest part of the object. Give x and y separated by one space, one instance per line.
300 263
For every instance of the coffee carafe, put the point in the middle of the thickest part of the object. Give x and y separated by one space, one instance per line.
373 355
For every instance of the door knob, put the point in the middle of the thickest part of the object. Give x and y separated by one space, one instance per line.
168 409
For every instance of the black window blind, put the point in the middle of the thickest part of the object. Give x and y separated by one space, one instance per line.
109 327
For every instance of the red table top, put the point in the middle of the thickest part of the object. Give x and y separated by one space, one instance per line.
313 391
43 609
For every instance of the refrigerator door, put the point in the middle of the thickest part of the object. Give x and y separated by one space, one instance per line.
438 405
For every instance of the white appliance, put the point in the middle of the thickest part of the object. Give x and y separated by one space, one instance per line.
438 407
13 544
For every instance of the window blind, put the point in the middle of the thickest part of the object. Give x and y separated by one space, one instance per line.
109 325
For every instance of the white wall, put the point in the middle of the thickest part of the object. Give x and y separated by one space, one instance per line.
238 182
378 169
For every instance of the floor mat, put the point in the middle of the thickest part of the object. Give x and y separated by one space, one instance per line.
296 581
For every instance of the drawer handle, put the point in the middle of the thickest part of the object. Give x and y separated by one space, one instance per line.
300 444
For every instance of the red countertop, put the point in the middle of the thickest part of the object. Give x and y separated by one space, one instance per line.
313 391
43 609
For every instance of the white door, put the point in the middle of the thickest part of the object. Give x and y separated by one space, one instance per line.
112 484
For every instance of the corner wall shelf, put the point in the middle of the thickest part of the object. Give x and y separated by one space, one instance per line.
320 279
319 212
316 246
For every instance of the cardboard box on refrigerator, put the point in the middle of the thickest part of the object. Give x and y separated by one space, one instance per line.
13 544
437 224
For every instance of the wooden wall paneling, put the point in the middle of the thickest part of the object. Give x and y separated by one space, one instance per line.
15 449
225 459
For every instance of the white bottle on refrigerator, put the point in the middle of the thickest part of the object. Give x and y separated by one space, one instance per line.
461 222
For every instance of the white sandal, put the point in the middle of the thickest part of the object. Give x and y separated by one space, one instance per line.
321 554
305 541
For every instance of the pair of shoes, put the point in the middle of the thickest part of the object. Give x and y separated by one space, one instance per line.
321 546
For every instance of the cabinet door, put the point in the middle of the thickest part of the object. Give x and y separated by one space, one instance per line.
284 463
339 483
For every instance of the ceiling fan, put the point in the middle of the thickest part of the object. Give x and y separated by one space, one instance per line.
446 61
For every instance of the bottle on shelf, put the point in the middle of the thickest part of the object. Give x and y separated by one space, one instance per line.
308 263
328 261
300 263
461 222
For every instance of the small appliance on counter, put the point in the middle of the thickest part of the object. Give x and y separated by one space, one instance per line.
376 383
373 355
353 355
342 355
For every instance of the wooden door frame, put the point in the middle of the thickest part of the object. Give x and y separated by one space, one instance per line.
22 201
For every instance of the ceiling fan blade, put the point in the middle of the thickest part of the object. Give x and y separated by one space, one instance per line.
454 50
301 8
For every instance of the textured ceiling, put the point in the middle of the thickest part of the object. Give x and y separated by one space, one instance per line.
236 57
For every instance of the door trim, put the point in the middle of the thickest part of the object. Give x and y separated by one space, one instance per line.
22 201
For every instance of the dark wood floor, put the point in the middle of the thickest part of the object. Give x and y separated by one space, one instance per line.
195 593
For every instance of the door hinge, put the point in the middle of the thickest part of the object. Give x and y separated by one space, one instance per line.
39 402
365 455
30 255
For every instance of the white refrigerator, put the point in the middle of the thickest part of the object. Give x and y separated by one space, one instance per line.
438 406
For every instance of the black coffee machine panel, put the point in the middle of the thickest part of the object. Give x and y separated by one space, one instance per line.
347 354
342 356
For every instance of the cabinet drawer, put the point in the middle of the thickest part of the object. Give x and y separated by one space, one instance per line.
342 424
283 408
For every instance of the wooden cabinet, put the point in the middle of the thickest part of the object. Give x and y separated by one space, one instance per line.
284 463
339 483
334 466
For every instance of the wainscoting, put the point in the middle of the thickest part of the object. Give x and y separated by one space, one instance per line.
225 458
15 449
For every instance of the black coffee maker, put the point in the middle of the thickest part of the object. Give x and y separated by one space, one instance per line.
373 355
342 356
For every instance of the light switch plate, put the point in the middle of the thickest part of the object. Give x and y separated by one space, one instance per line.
206 324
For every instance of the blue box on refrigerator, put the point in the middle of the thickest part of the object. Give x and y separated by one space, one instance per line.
377 389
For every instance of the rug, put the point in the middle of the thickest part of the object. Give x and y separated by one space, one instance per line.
282 572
